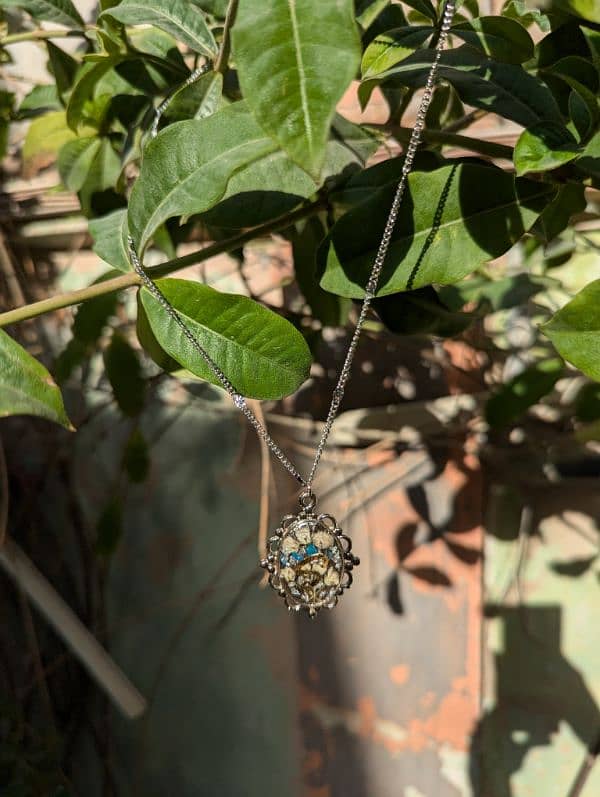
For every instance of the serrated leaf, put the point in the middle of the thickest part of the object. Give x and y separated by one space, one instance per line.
293 71
498 37
451 220
260 352
187 167
505 89
62 12
125 375
523 391
177 17
543 147
26 387
575 330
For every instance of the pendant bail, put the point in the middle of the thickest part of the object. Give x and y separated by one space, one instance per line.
307 499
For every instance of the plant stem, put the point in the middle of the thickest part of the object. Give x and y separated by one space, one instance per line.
489 148
223 57
40 35
131 279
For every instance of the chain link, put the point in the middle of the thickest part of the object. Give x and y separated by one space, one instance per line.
370 290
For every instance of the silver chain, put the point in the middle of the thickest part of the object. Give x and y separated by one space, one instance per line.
371 287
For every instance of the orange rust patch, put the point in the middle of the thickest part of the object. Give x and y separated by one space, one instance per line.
400 674
451 724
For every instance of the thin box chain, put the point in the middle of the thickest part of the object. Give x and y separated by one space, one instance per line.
371 287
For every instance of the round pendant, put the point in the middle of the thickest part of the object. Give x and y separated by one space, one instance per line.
309 559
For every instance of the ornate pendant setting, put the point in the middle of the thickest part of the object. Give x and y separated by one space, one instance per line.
309 559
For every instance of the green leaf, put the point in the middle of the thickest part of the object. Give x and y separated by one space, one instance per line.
45 136
420 312
63 66
198 100
586 9
187 167
218 8
177 17
85 83
75 160
136 457
260 352
505 89
543 147
62 12
575 330
528 15
424 7
125 375
367 11
589 161
391 47
330 310
293 71
39 100
271 186
89 166
556 216
149 343
515 397
498 37
109 234
451 220
26 387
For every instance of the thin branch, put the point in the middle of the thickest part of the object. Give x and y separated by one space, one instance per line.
490 148
223 57
41 35
131 279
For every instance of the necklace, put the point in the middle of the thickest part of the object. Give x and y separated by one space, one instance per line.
309 559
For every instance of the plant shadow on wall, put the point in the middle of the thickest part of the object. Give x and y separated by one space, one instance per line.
537 691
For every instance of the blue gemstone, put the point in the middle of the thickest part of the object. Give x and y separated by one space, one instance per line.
311 549
283 559
297 556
